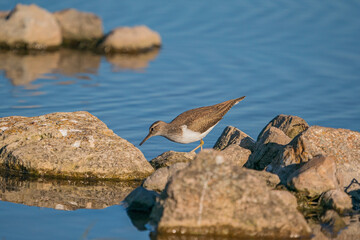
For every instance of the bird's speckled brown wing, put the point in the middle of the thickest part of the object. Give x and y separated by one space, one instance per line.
203 118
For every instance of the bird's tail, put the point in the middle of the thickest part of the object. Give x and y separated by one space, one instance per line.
237 100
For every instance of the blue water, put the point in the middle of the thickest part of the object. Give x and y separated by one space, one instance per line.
291 57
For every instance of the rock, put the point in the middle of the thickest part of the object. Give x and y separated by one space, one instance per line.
64 194
315 177
343 144
4 14
290 125
130 40
236 154
232 135
267 147
140 199
272 180
76 145
157 181
31 27
213 196
80 29
337 200
169 158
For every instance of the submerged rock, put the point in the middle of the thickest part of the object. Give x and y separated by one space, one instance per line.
315 177
157 181
343 144
75 144
213 196
131 40
232 135
80 29
169 158
30 27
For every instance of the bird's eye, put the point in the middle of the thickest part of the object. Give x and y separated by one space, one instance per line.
151 129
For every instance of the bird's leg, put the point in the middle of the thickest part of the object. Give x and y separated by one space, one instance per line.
200 146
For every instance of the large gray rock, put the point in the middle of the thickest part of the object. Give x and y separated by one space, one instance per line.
169 158
267 147
315 177
131 40
64 194
213 196
157 181
73 144
290 125
343 144
77 27
232 135
29 26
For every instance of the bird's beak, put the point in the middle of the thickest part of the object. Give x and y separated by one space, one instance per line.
146 138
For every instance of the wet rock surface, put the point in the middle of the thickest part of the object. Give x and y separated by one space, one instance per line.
231 135
73 144
64 194
30 27
343 144
169 158
157 181
79 27
212 196
130 40
315 177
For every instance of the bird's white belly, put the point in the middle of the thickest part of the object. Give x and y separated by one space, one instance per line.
189 136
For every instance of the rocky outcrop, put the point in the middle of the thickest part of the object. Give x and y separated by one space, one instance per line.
267 147
169 158
130 40
214 197
80 29
64 194
232 135
343 144
290 125
157 181
29 27
73 144
315 177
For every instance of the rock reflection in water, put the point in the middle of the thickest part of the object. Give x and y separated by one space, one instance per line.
22 69
64 194
131 62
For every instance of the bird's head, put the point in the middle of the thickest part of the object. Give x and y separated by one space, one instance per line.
157 128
